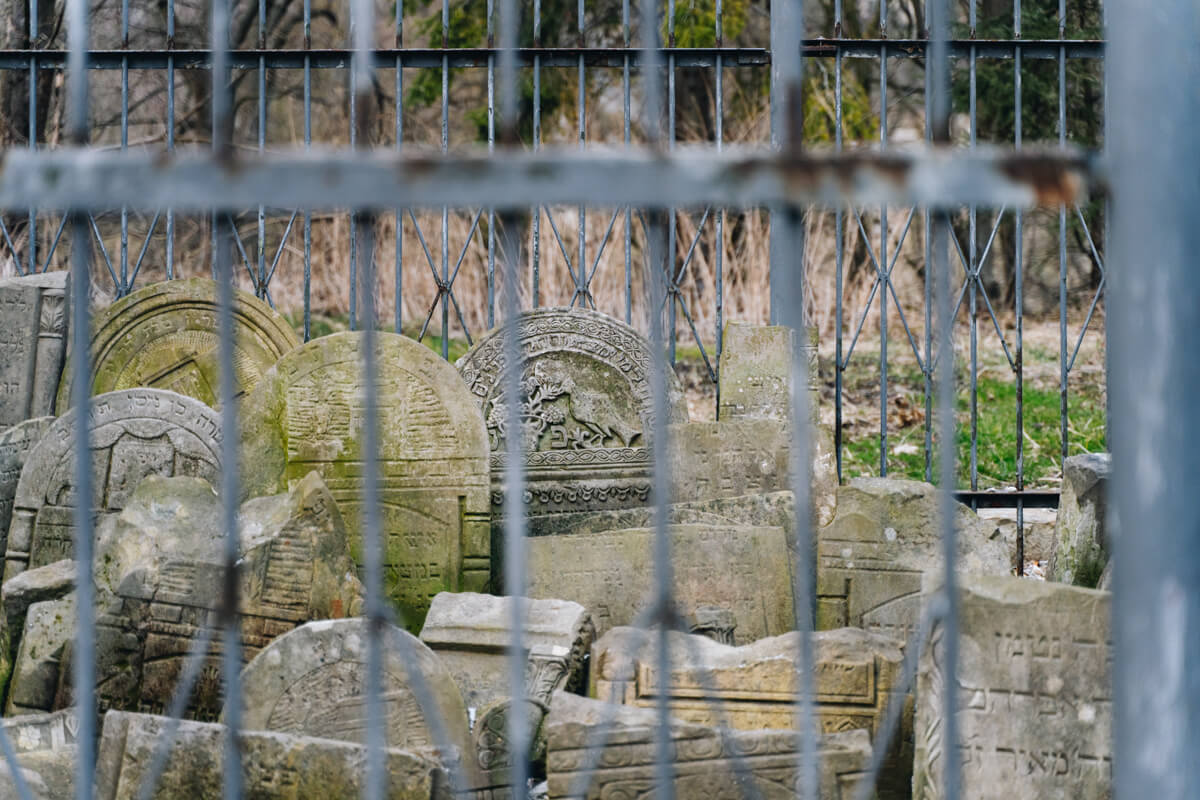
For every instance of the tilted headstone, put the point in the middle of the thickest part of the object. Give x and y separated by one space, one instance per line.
885 538
310 682
15 445
132 434
1081 544
706 763
37 585
33 338
742 568
47 750
857 675
586 409
274 765
48 630
1034 694
756 371
307 414
166 336
471 633
493 749
160 575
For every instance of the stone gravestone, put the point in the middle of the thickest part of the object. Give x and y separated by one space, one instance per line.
309 682
33 586
857 675
1034 694
742 568
273 765
706 762
1081 542
133 433
307 414
33 338
471 633
160 577
586 409
885 538
47 749
756 372
15 445
165 336
47 632
493 751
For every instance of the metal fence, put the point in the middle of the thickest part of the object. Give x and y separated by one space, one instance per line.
648 178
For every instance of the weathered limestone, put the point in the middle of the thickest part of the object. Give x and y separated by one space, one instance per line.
1035 695
160 572
307 413
493 752
471 632
885 537
38 585
273 764
742 568
15 445
1081 544
47 749
756 371
857 675
48 631
309 682
1039 530
770 509
33 339
705 763
586 409
133 434
165 336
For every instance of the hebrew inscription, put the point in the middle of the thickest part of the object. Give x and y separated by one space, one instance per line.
15 445
33 339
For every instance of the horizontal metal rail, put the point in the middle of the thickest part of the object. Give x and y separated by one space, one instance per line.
383 180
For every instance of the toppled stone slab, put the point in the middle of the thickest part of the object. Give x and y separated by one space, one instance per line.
742 568
48 630
50 582
493 750
307 414
273 764
133 433
15 445
706 764
884 540
857 676
47 750
33 338
1081 545
160 574
165 336
1034 694
471 633
310 682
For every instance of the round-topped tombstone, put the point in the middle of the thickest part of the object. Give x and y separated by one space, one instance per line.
16 443
166 336
132 434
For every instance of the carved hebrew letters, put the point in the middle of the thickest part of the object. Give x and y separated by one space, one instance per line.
33 327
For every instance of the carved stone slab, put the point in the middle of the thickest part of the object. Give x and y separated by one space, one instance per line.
33 338
160 571
756 374
857 676
310 681
133 433
705 763
274 765
165 336
15 445
1034 694
47 749
32 586
493 750
744 569
307 414
48 630
885 538
471 632
586 406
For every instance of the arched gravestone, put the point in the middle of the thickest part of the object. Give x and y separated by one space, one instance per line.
165 336
16 443
134 433
33 344
310 682
586 405
307 414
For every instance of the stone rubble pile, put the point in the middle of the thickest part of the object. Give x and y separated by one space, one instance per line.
1033 699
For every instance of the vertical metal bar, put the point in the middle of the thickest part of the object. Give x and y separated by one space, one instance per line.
625 87
669 262
777 256
398 311
927 372
231 653
973 265
1018 269
307 146
719 236
260 282
353 102
1156 327
537 142
33 132
491 120
581 270
839 254
883 258
939 67
445 296
84 677
1063 353
170 268
124 288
